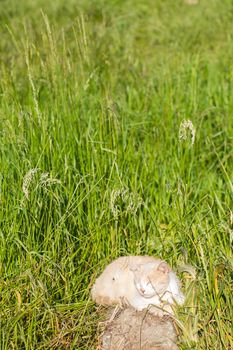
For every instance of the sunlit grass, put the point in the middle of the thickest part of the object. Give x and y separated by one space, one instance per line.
92 166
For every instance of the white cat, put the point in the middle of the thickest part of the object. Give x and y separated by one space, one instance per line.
139 281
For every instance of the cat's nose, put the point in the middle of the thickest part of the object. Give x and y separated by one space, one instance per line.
142 290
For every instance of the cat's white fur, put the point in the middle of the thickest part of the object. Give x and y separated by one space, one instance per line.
139 281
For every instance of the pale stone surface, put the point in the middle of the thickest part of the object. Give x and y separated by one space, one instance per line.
138 330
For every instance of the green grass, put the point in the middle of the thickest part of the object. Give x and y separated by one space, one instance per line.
92 95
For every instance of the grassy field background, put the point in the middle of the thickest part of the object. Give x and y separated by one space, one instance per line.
92 99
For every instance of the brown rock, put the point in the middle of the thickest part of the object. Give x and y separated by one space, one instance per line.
138 330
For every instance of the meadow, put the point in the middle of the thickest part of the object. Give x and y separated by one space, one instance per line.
116 135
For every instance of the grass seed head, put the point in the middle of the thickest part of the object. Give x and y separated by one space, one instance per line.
27 181
186 128
131 201
46 180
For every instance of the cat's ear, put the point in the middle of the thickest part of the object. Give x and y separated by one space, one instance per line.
164 267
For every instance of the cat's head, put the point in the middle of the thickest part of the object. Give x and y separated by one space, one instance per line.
152 278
